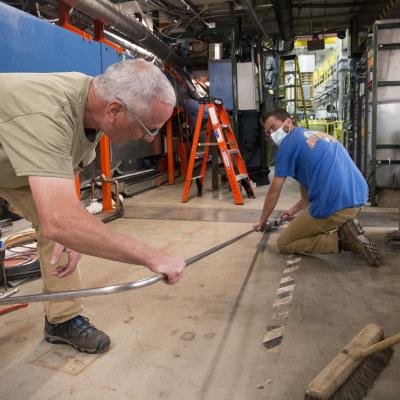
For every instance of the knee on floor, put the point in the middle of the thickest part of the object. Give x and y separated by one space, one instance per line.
282 244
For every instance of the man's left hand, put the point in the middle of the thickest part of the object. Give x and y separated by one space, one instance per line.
62 271
259 226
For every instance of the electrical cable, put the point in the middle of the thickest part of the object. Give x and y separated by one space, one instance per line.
184 28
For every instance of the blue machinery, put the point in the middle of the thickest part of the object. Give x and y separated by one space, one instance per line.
31 44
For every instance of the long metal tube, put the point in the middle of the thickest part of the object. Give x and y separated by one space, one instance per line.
106 12
235 94
32 298
110 15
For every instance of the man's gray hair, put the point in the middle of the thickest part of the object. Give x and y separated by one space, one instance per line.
137 82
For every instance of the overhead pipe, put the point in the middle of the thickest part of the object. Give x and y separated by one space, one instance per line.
283 13
258 21
189 7
110 15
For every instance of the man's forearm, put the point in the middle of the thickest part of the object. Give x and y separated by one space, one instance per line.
269 205
298 206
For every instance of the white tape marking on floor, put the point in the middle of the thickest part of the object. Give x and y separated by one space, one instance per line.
282 315
284 296
293 261
285 289
291 269
286 279
283 302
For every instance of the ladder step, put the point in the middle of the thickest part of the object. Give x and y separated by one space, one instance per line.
207 144
225 126
196 177
234 151
240 177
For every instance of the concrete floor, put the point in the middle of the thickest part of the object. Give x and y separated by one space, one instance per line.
203 339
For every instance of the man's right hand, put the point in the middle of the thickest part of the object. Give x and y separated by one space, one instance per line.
171 267
287 215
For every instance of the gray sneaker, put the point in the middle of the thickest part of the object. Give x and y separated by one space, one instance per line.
78 333
351 238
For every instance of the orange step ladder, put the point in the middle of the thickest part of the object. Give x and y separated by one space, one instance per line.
235 168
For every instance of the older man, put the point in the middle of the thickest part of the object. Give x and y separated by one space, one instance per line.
333 191
49 127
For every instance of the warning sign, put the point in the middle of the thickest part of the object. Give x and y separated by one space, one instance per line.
213 115
218 135
226 159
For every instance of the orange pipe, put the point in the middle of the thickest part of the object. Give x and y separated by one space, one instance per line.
170 153
105 168
78 185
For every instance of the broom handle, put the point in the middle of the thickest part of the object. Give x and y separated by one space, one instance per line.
382 345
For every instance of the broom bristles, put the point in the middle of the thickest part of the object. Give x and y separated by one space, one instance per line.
363 378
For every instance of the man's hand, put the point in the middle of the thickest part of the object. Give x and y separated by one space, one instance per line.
61 271
287 215
259 226
171 267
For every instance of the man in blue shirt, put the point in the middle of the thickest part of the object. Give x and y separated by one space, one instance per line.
333 191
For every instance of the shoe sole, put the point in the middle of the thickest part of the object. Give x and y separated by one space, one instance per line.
359 228
369 251
356 242
59 340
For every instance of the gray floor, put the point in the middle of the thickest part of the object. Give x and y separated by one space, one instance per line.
203 339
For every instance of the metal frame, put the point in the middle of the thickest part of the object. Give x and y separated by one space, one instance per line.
379 25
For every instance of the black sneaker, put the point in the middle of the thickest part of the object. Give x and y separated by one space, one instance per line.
352 239
78 333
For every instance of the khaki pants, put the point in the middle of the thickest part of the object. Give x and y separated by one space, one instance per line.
306 234
60 310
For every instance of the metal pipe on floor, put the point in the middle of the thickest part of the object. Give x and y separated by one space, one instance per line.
123 287
33 298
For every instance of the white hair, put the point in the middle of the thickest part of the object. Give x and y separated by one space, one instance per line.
137 82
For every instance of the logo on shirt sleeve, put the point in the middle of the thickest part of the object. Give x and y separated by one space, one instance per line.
312 138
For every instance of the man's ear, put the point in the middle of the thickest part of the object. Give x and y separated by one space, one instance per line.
114 108
290 124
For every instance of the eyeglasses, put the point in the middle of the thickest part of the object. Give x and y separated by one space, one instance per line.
149 133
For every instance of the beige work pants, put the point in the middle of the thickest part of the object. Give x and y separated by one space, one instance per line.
60 310
309 235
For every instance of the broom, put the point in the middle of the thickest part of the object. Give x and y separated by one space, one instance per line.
352 373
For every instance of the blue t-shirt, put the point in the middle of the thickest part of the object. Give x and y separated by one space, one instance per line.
324 168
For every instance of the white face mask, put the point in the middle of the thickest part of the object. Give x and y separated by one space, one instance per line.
278 135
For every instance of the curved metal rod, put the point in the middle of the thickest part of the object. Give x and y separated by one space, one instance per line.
32 298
